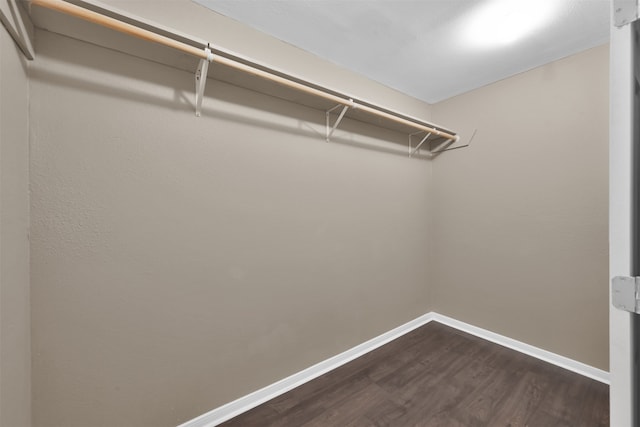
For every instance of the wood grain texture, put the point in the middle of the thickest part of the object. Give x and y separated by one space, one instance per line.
441 377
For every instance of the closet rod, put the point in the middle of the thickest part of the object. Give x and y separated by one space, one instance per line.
132 30
123 27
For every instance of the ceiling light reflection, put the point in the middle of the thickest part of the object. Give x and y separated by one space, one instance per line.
502 22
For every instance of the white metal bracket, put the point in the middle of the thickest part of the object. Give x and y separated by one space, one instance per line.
624 12
412 150
330 128
17 21
201 79
454 141
625 293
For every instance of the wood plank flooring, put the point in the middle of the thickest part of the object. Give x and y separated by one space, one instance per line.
437 376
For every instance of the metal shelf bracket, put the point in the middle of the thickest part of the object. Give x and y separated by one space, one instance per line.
201 79
412 150
453 141
330 128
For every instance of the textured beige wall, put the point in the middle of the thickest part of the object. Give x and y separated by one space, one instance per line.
179 262
15 358
520 217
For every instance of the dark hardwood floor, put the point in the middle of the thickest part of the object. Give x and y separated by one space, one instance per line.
441 377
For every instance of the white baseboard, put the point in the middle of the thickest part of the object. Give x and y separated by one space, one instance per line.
250 401
547 356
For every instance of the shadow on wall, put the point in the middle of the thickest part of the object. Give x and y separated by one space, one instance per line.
310 121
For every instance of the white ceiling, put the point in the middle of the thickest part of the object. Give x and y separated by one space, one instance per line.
429 49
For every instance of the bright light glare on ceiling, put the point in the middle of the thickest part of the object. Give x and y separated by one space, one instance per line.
502 22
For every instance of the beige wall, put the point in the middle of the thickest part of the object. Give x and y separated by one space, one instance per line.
179 262
15 358
520 217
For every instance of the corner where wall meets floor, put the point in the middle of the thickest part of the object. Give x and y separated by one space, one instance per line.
521 216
